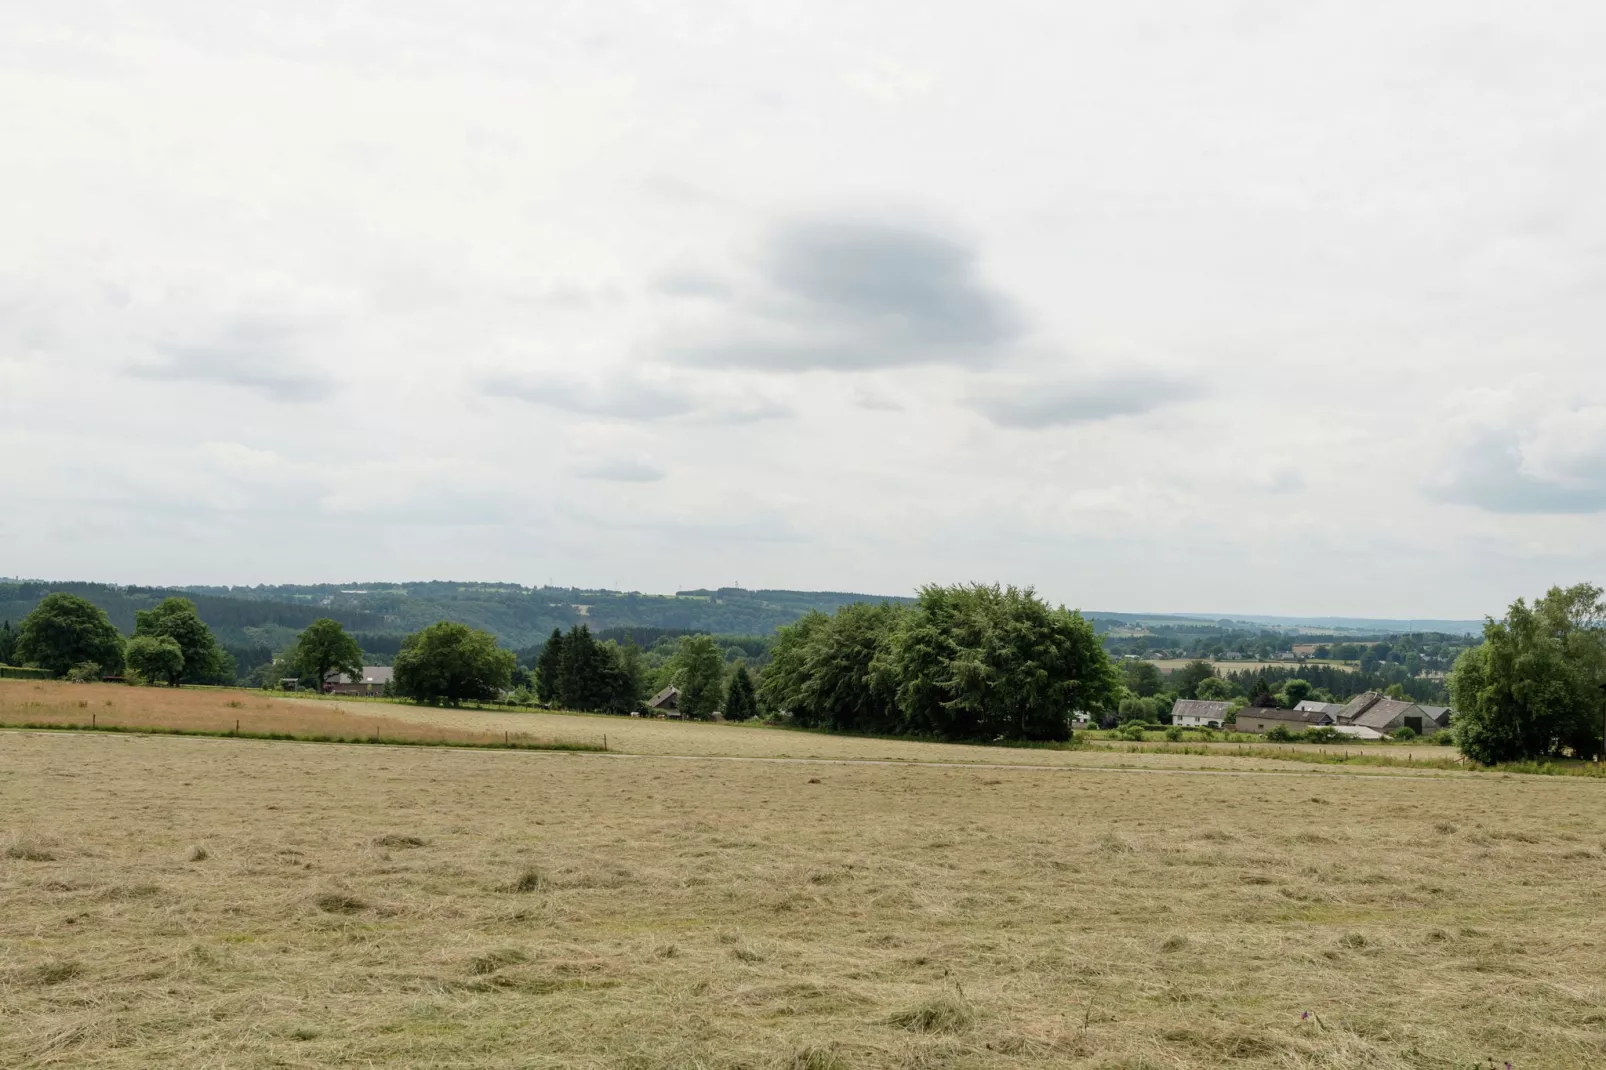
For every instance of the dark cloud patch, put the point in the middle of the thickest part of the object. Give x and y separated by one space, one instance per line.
259 354
1038 404
623 471
853 293
1487 473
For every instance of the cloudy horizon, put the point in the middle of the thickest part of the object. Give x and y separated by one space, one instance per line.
1274 309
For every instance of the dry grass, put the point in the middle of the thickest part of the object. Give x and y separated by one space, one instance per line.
417 907
219 711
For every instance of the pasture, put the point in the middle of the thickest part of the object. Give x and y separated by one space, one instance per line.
231 903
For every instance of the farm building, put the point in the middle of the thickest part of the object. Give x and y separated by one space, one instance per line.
1199 713
374 679
1386 715
1332 709
1265 718
666 702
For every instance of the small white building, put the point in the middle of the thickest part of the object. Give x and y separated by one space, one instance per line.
1199 713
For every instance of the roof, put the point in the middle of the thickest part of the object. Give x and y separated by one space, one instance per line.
1198 707
371 674
1332 709
664 697
1357 706
1381 713
1440 714
1275 713
1355 731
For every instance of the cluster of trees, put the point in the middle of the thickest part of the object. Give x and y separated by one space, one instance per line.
964 662
1534 687
66 634
577 672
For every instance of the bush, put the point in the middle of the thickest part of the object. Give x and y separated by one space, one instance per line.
1279 734
85 672
1322 734
1132 732
1173 734
1405 732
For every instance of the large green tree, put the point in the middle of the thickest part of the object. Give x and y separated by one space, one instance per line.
1533 688
549 668
177 619
985 662
323 649
1188 678
699 670
1142 678
450 662
155 658
8 644
740 702
64 630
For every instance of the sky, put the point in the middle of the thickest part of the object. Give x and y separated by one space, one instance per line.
1266 307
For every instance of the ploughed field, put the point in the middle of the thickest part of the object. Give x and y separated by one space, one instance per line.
232 903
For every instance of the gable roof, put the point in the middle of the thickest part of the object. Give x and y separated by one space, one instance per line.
1357 706
1332 709
1380 714
1440 714
1199 707
1277 713
664 697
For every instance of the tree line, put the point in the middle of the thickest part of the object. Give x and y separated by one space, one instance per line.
963 662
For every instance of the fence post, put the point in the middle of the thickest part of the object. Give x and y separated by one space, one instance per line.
91 720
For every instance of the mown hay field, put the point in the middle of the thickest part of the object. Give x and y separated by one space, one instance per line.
230 903
213 710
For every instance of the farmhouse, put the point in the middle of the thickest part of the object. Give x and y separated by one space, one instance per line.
1199 713
1265 718
374 679
666 702
1386 715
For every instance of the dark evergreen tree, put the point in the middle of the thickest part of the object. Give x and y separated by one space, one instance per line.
741 704
8 644
549 668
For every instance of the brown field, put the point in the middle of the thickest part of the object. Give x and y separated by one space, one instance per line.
230 903
222 710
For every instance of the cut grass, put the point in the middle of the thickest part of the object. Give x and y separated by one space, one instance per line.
724 915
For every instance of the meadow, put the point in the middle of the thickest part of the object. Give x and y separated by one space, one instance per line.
233 903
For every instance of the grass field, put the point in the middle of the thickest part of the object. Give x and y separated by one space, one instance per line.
229 903
228 710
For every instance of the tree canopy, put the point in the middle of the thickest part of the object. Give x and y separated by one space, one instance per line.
968 662
155 658
741 704
1533 687
65 630
323 649
178 620
450 662
699 672
8 644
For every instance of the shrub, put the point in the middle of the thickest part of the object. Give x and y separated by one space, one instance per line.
1173 734
1323 734
85 672
1279 734
1132 732
1405 731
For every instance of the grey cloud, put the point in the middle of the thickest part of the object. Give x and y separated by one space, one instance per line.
849 293
1050 403
624 395
621 397
1488 474
259 354
623 471
693 284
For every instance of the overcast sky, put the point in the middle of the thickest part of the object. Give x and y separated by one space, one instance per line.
1264 307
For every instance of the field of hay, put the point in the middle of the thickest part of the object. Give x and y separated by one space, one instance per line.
229 903
212 710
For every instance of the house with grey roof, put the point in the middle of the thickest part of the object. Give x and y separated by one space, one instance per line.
1312 706
373 681
1385 715
1265 718
1199 713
